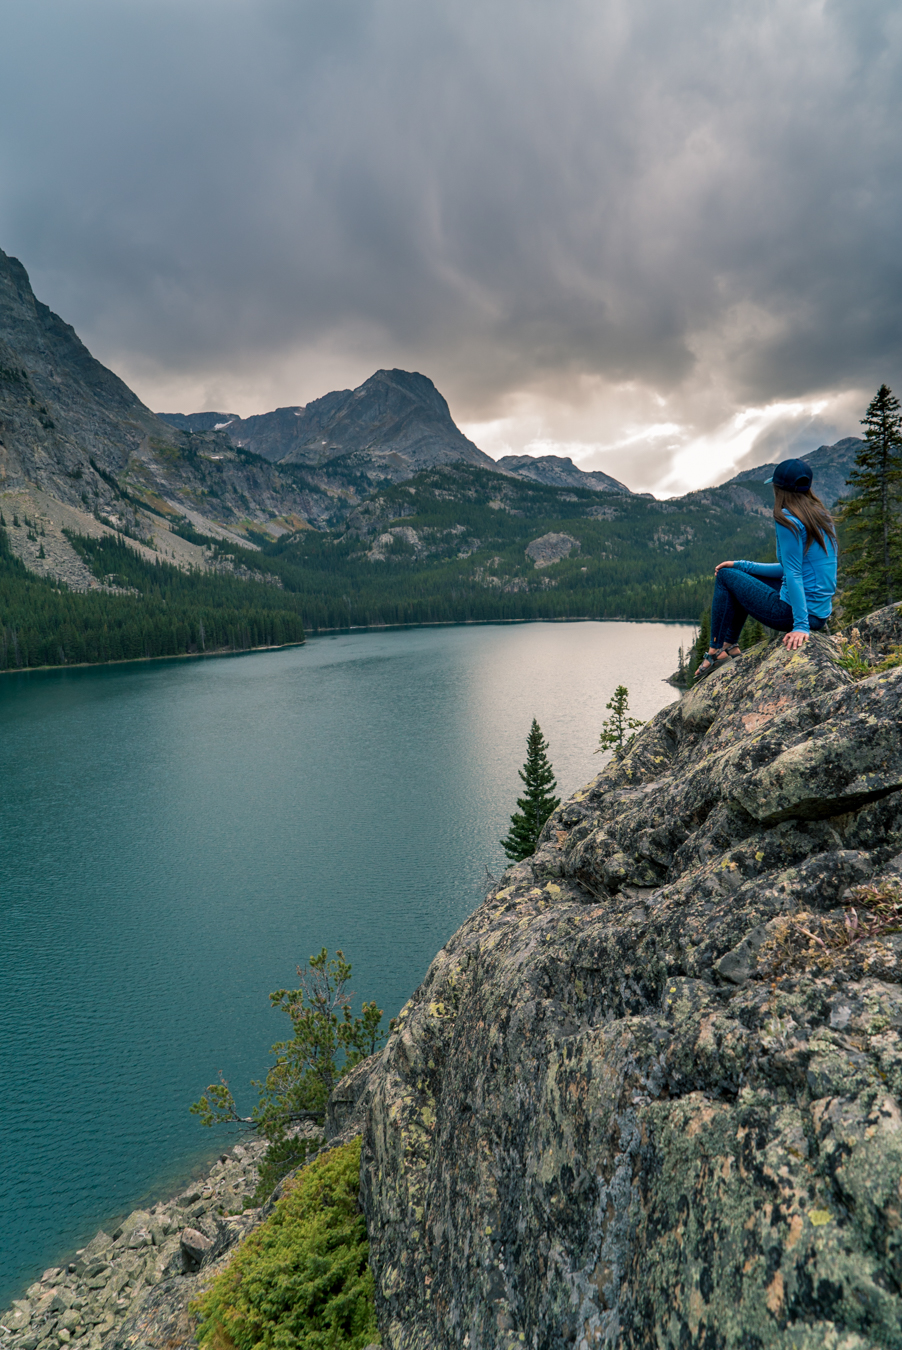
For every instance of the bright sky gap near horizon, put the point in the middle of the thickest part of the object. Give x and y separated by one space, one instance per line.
660 239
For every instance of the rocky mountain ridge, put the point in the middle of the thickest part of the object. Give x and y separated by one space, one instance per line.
392 426
560 471
72 429
831 465
72 432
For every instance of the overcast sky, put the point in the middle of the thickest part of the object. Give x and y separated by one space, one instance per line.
664 239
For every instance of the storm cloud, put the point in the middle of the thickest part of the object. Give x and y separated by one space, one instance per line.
662 238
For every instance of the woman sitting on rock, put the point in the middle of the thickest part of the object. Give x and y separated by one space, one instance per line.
795 593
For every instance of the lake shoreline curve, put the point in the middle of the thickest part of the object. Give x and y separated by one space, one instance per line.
147 660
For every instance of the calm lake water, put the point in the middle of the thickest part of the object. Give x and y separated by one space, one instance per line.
175 837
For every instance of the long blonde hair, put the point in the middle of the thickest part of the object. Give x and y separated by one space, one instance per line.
810 510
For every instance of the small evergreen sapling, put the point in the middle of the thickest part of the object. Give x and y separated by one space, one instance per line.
538 801
702 643
619 730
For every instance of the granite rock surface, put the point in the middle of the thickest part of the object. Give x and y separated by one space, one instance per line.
551 548
648 1095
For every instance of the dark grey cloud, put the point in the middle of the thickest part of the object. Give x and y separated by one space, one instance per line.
600 204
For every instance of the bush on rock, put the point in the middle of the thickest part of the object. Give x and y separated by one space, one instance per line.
301 1281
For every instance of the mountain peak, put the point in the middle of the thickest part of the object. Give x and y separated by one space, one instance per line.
390 427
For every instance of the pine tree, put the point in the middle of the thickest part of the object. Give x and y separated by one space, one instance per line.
871 516
537 803
619 730
752 633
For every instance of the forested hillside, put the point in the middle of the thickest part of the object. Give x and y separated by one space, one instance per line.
156 610
450 546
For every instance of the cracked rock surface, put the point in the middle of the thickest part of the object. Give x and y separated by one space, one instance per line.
616 1112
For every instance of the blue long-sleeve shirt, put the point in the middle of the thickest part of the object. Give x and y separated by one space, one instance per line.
809 579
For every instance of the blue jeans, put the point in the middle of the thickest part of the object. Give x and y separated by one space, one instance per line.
737 594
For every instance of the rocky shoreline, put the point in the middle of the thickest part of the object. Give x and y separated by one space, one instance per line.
84 1304
133 1289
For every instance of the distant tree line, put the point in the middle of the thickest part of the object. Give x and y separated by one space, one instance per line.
641 560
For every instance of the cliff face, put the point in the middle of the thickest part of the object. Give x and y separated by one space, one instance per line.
72 429
57 404
648 1094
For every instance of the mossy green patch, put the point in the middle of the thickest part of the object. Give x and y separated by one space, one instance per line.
301 1281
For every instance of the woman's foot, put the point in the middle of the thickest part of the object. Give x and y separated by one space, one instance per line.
733 652
715 656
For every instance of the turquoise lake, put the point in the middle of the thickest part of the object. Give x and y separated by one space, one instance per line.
175 837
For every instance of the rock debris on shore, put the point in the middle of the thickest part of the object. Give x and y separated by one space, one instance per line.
82 1304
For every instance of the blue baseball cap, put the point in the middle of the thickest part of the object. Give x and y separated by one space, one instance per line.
793 475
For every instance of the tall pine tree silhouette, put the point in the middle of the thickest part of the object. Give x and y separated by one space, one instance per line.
872 516
537 802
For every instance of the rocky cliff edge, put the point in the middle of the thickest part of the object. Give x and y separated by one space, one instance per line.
648 1095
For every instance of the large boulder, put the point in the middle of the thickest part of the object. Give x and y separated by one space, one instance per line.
648 1095
883 628
551 548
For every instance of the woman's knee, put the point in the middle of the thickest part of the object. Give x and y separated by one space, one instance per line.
725 578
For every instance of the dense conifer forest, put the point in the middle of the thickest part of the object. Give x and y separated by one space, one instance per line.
171 614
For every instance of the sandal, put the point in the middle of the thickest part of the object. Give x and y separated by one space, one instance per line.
710 660
734 652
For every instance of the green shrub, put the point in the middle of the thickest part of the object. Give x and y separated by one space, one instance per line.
300 1281
282 1157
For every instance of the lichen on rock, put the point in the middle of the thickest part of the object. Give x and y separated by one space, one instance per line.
608 1116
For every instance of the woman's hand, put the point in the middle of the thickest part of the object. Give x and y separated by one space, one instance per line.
791 641
723 564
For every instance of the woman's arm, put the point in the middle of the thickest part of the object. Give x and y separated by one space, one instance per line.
754 569
757 569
